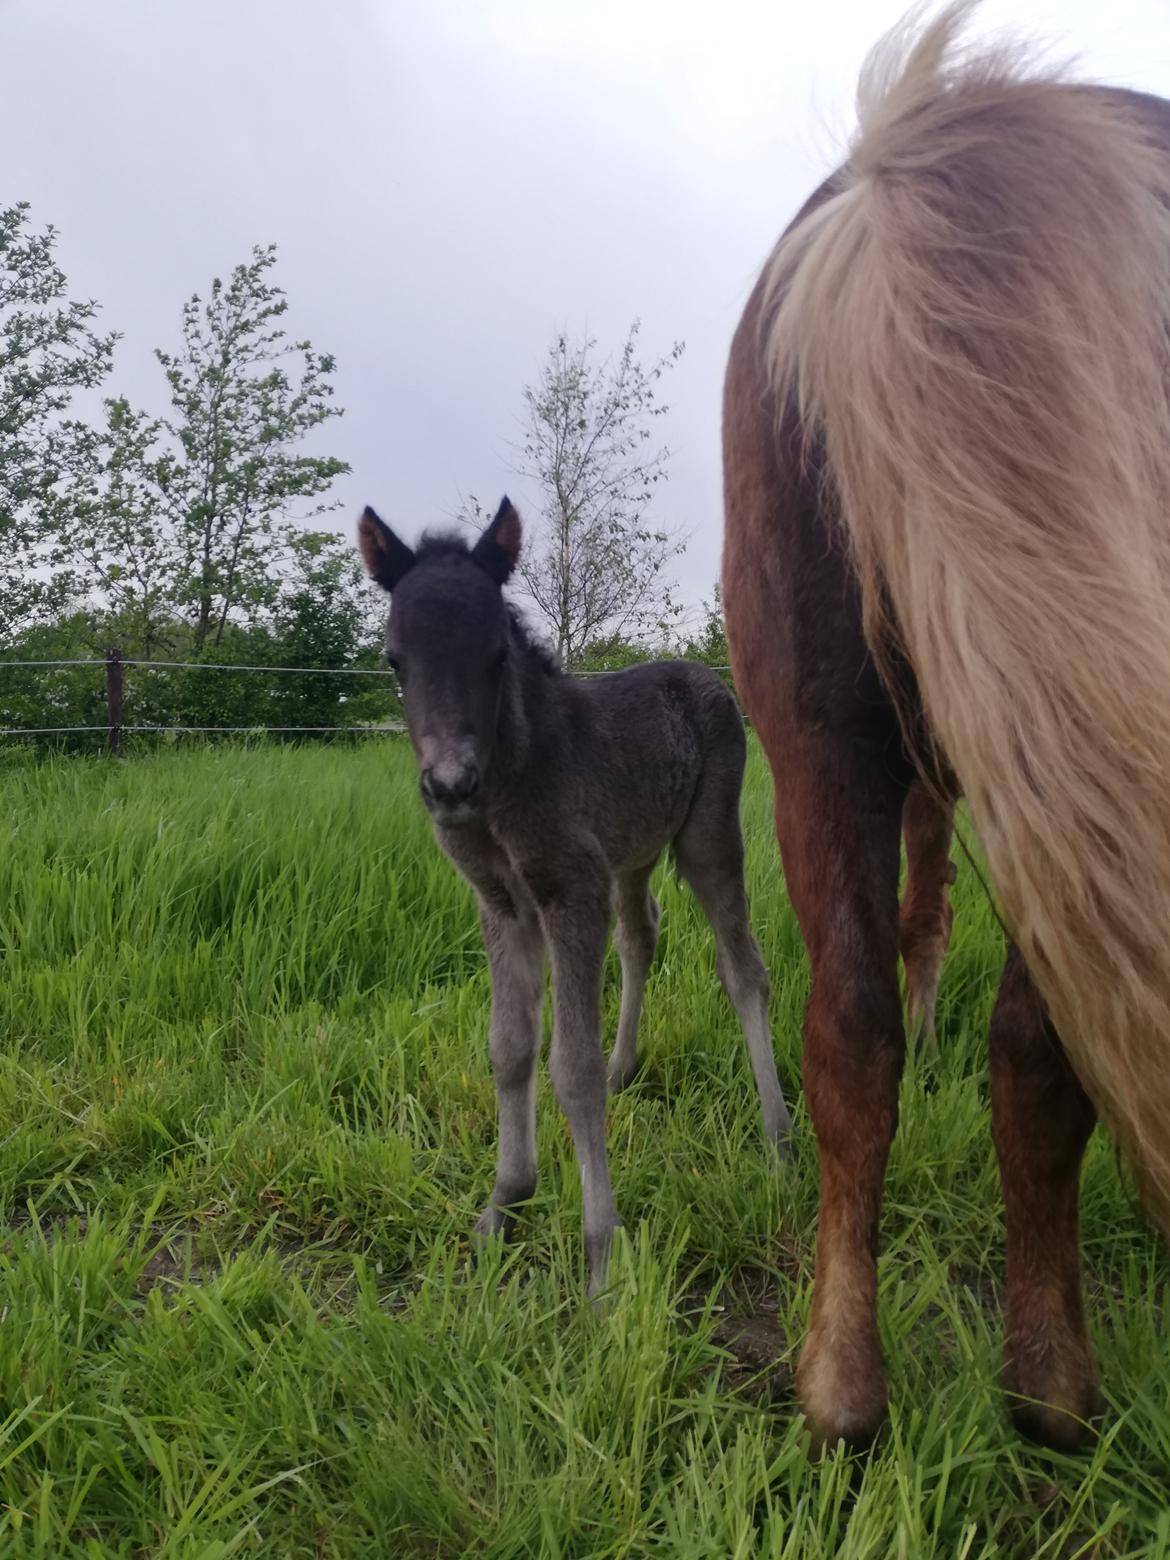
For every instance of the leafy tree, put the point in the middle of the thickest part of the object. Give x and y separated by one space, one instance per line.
48 351
709 643
189 512
595 560
54 697
611 654
325 617
114 541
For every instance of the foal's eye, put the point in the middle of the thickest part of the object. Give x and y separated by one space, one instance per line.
499 658
394 664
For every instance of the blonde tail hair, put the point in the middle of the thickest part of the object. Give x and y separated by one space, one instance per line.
975 325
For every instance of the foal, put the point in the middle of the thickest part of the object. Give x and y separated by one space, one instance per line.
554 797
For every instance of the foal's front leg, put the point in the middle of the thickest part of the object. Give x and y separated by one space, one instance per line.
576 924
515 949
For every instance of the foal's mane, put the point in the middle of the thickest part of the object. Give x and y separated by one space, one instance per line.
435 546
529 645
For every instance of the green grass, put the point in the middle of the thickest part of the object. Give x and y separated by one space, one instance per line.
246 1121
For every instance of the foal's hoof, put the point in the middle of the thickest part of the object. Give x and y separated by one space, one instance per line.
493 1224
781 1148
621 1073
779 1137
597 1253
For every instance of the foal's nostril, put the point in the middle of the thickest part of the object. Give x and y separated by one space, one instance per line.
447 787
467 784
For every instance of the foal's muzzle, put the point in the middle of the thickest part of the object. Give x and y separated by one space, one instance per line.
450 790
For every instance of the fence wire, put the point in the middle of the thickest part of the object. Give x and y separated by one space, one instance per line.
216 666
259 731
120 727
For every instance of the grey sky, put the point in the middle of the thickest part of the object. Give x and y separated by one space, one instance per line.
450 181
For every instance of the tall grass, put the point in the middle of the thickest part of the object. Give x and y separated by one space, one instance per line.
246 1121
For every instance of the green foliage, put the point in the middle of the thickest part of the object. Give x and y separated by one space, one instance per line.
185 517
48 351
115 548
709 642
611 653
320 621
247 1122
36 697
174 531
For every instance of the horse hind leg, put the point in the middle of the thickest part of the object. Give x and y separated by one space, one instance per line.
924 927
838 817
709 854
636 938
1041 1120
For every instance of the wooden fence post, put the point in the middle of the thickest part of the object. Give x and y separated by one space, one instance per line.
114 700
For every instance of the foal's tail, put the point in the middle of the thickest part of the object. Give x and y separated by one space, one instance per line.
976 324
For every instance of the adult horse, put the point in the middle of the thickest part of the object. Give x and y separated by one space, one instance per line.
947 565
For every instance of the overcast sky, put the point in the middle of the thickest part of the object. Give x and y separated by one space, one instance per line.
452 181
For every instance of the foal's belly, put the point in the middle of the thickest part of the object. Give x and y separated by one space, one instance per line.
640 850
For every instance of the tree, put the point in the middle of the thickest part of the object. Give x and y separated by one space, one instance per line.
595 562
327 616
115 528
48 351
190 510
709 644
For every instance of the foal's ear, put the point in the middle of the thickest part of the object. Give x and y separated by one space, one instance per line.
385 557
499 546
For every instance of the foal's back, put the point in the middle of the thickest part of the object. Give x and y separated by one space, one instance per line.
638 744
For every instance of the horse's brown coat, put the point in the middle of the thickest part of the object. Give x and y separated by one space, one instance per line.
947 455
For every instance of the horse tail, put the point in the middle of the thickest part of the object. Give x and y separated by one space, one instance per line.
973 327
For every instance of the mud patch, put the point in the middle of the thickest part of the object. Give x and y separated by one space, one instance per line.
746 1325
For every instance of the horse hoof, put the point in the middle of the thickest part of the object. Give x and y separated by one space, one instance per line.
1060 1412
1059 1429
843 1394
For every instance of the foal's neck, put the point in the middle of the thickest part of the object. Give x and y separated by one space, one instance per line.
527 712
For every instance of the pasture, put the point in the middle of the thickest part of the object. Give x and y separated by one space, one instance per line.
246 1123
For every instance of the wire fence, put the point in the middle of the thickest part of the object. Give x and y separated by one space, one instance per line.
115 728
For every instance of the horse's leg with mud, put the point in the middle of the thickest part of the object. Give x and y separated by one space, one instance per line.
709 852
575 915
516 956
924 928
636 937
838 817
1041 1120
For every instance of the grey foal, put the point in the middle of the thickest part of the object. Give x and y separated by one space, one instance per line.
555 797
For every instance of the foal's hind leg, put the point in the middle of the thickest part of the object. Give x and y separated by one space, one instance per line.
925 921
1041 1121
636 938
709 852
